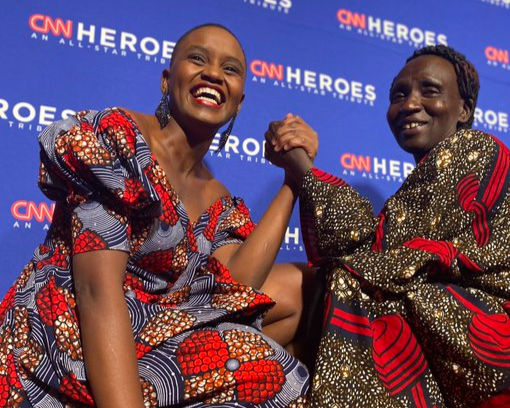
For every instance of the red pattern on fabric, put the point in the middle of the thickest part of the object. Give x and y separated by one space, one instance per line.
142 350
379 232
133 191
157 261
498 401
469 263
353 323
445 251
419 396
7 302
192 239
466 303
468 189
58 258
489 337
169 214
247 225
10 385
159 312
219 270
499 177
75 390
52 302
88 241
243 366
328 178
397 355
213 212
351 269
120 128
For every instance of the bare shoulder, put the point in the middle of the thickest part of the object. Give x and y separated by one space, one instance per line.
143 121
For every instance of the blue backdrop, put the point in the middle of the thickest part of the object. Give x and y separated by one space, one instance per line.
330 61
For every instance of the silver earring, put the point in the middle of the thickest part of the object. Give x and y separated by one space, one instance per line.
163 111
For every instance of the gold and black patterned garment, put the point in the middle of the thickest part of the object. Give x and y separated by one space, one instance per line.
417 299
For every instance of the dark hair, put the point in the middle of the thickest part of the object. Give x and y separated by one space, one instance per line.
467 76
182 37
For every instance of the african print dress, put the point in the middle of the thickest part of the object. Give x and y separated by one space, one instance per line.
417 299
197 331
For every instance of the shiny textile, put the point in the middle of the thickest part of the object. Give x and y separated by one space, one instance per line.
417 305
197 331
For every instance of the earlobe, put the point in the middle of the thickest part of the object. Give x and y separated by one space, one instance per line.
164 81
466 110
240 105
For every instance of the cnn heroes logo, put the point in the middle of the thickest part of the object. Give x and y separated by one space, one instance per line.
282 6
27 212
100 39
500 3
27 116
292 240
388 30
312 82
497 57
374 168
489 119
249 150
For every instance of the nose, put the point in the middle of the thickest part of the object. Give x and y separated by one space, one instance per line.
411 103
212 73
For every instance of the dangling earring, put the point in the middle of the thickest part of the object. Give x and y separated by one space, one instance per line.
163 111
225 134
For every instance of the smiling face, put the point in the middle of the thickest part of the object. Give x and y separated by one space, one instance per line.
425 105
206 78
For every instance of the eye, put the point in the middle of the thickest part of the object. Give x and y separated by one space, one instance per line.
196 58
232 70
396 96
431 91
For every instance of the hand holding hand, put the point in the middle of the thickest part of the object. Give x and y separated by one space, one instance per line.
291 144
292 132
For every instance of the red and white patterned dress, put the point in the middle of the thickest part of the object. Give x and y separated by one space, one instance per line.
197 331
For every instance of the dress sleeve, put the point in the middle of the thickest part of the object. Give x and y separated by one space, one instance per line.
335 219
234 223
94 162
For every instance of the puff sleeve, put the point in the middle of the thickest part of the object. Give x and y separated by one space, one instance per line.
94 162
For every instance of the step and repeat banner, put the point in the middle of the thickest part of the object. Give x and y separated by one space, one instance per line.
329 61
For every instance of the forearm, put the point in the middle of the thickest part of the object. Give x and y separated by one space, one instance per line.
109 350
253 260
106 332
336 220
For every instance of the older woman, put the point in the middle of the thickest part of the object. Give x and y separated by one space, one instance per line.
144 293
417 299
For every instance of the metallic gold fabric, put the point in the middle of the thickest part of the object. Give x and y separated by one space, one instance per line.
417 310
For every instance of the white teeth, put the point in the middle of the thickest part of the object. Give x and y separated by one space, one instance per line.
411 125
208 94
205 98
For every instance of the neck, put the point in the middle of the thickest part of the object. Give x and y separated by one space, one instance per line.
187 147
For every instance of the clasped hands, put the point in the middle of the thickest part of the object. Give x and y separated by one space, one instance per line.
292 145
